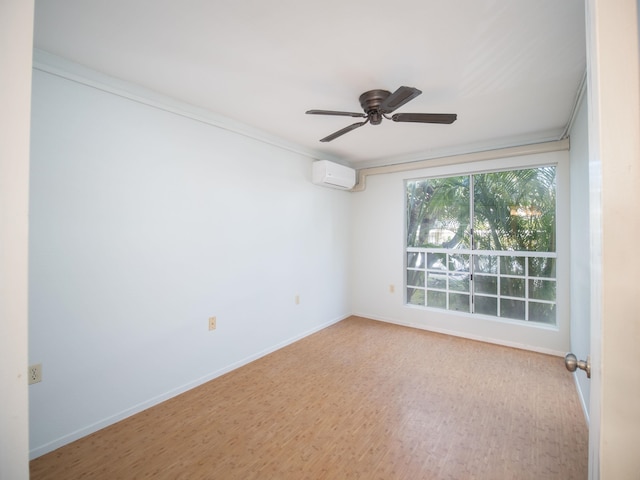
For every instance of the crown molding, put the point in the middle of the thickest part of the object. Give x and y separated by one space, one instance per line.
61 67
477 156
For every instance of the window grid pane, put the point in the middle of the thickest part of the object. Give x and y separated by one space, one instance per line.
446 282
484 243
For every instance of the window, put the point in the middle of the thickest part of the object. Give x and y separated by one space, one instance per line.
484 244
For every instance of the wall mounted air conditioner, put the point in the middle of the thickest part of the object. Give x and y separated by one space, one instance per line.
333 175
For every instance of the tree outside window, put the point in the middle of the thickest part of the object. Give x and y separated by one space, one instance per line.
484 243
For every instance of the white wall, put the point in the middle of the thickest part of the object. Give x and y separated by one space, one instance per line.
580 252
143 224
378 256
16 39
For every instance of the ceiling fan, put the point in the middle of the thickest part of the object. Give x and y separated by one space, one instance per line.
378 103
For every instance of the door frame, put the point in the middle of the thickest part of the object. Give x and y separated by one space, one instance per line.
613 60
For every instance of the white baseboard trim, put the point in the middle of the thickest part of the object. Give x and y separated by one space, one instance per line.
89 429
585 410
480 338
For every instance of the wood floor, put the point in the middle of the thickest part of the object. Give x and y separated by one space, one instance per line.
360 399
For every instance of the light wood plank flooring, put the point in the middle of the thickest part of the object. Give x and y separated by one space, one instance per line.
360 399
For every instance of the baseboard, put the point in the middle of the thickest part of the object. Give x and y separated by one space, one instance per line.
585 410
83 432
480 338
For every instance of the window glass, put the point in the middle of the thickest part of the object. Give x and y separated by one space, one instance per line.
515 210
438 212
505 266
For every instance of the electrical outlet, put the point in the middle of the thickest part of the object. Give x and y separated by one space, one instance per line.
35 373
212 323
392 288
297 299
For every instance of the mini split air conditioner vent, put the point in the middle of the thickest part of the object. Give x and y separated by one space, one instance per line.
333 175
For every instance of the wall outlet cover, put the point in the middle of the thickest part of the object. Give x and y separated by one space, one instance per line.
34 373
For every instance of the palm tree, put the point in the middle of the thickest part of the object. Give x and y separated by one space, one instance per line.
440 204
515 210
512 210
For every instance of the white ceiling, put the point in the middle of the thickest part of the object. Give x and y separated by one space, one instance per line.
510 69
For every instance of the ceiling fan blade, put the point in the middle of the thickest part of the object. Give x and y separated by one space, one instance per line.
339 133
425 117
331 112
398 98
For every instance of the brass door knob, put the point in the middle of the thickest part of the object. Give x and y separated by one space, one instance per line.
572 364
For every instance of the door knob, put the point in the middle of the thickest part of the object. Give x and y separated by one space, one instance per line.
572 363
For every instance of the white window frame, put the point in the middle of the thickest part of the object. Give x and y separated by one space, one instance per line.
558 279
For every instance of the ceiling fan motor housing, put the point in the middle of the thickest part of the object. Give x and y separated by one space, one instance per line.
370 102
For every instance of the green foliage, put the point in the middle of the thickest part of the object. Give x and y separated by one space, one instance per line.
515 210
512 210
438 209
